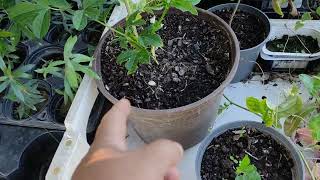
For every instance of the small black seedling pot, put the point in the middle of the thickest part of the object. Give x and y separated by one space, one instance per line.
58 114
57 35
41 57
26 153
92 33
37 119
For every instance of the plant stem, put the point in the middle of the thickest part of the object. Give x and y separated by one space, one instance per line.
118 32
154 56
165 12
307 165
234 12
244 108
64 22
134 28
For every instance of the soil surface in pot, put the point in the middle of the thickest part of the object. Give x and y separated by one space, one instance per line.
250 30
272 160
294 44
194 61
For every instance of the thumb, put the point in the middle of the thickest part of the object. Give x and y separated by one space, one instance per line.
161 156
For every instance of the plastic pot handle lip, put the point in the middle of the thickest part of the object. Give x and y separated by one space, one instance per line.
274 133
235 51
254 9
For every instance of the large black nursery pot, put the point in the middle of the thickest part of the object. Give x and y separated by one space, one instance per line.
298 170
26 153
249 56
188 124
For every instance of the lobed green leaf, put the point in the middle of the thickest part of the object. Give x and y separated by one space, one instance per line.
314 126
41 23
184 6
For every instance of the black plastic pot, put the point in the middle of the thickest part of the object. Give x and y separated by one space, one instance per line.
188 124
41 57
210 3
248 57
38 119
22 51
5 23
57 35
59 117
25 153
298 170
92 33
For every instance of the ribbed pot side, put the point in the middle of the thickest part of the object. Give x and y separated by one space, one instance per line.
188 124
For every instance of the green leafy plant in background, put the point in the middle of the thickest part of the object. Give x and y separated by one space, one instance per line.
34 18
246 170
301 119
8 47
138 47
69 69
20 88
276 4
30 20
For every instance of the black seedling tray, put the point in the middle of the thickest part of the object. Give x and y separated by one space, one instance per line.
27 146
39 54
26 153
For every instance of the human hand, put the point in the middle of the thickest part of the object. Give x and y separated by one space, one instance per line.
109 158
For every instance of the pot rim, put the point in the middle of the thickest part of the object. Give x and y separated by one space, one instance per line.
223 6
274 133
236 58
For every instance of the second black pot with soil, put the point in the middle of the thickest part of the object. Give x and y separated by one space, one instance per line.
252 28
177 99
274 156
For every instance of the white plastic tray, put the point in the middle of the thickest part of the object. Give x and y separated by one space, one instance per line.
73 145
280 31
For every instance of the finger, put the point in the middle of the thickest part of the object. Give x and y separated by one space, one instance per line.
162 155
112 130
172 174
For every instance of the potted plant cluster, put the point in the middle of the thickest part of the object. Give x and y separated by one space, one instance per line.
297 119
289 48
292 47
44 54
252 28
172 61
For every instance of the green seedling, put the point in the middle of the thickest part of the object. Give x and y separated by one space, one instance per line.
246 170
69 69
20 88
139 47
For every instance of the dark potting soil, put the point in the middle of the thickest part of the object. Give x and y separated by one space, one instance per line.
249 29
194 61
292 44
271 159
